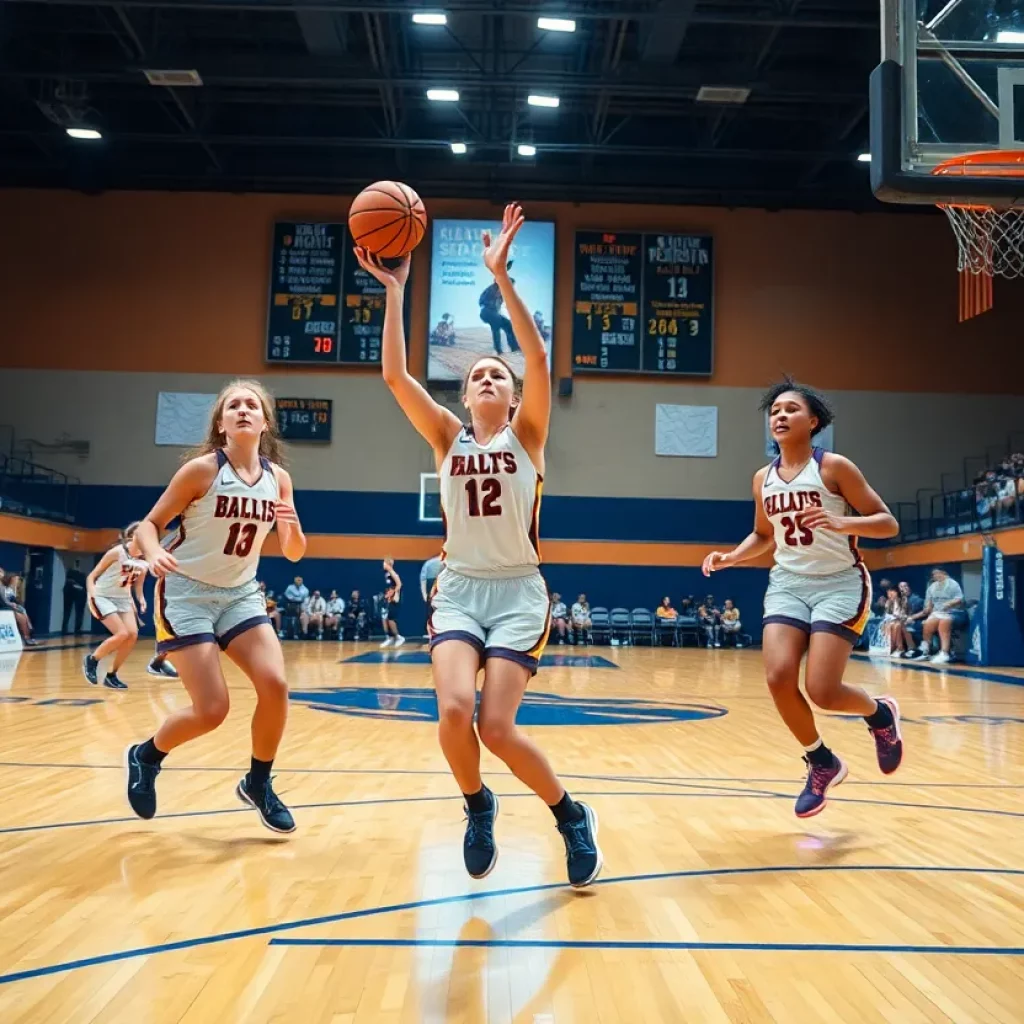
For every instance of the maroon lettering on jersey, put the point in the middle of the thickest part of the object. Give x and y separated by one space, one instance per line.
510 462
221 510
458 465
232 512
791 501
495 461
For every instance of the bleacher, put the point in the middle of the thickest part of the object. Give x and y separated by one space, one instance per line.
30 489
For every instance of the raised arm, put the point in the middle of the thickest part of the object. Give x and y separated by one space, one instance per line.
435 424
531 418
398 581
760 540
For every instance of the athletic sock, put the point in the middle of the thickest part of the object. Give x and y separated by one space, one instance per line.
149 753
566 810
820 755
881 717
479 801
259 773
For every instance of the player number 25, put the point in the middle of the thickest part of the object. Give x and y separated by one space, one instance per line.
796 535
243 546
489 490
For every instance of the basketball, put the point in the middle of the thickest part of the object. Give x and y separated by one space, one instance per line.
388 219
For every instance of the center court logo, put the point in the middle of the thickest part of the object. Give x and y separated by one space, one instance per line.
420 705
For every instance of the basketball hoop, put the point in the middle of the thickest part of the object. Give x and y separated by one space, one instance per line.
990 239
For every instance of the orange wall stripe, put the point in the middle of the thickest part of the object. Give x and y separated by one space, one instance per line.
362 547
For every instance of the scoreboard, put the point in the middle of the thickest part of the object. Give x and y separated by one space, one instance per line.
304 419
324 309
643 303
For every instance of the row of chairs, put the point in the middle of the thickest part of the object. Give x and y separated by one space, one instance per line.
641 625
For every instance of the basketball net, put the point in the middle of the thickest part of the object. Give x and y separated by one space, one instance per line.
990 241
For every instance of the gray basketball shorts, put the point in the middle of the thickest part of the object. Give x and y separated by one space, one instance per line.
507 617
839 603
101 606
187 612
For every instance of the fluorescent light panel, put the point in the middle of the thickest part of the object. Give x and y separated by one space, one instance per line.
443 95
1010 37
84 133
538 100
430 18
864 158
458 148
557 24
525 149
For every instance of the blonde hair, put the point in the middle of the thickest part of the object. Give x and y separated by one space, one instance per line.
271 445
129 531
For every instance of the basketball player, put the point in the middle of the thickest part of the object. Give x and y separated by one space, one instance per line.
228 498
392 595
490 605
109 589
819 592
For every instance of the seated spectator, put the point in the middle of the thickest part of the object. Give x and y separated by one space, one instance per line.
878 607
1006 499
580 616
10 601
356 623
688 608
710 618
731 624
273 612
893 626
332 614
295 596
943 600
313 611
667 618
915 613
559 615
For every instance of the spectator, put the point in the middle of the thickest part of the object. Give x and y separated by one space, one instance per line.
559 615
273 612
665 609
688 608
74 597
884 587
356 620
580 616
915 613
943 598
332 615
10 592
313 611
711 620
731 624
893 625
295 596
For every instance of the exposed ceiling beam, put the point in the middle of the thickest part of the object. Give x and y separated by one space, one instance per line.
663 36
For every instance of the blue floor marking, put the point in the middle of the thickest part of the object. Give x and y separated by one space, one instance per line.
758 947
967 672
666 780
711 792
471 897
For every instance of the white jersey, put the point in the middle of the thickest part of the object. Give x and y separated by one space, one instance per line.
119 577
797 549
221 534
490 500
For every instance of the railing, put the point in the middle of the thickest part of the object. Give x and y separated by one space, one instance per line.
28 489
951 513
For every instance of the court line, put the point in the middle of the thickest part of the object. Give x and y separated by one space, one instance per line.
711 793
471 897
651 779
758 947
968 672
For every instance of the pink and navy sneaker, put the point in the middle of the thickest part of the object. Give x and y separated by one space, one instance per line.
888 739
819 781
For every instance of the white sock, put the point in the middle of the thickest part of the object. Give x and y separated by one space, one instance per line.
814 746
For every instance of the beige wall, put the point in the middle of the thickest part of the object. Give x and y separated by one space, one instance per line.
602 439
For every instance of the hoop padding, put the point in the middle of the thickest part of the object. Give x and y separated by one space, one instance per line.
990 240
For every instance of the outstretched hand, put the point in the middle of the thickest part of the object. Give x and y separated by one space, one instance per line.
389 277
496 250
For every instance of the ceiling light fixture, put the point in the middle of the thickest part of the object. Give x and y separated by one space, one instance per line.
524 149
537 100
864 158
83 133
430 18
557 24
443 95
458 148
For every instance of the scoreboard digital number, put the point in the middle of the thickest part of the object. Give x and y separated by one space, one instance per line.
304 419
324 309
643 303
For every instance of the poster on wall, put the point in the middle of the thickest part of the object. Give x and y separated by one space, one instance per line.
467 316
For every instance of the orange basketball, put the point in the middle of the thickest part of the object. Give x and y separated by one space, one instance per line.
388 219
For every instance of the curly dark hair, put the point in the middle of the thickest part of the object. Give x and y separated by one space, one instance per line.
817 403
